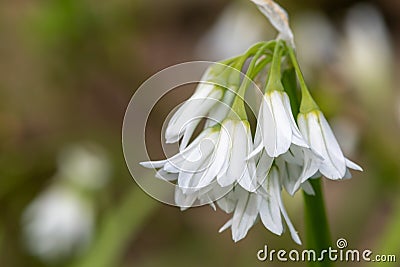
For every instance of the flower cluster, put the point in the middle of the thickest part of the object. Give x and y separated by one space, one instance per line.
243 170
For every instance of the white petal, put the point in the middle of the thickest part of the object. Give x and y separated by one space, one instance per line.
294 155
245 215
259 128
175 117
269 208
311 165
198 147
237 165
182 200
217 115
281 126
166 176
316 175
303 127
205 199
219 158
225 226
188 134
173 163
267 126
220 111
297 138
307 187
193 108
333 166
263 167
249 181
194 165
189 183
169 167
289 175
153 164
353 165
256 151
335 154
293 232
228 202
207 134
203 90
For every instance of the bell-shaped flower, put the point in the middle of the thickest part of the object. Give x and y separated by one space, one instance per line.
272 199
219 154
277 129
265 204
213 95
321 139
296 166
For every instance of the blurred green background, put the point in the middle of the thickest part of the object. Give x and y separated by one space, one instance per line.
67 72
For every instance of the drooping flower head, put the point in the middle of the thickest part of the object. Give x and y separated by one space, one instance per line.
277 129
319 135
212 97
225 166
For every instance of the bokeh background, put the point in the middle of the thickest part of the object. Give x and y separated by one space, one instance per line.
68 69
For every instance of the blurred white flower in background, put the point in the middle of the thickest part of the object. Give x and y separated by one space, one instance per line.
86 166
60 221
317 40
237 28
367 57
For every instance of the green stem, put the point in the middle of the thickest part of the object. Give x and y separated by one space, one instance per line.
263 62
274 76
316 222
119 227
275 71
303 86
307 102
250 71
238 104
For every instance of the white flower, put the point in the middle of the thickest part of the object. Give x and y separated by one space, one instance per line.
221 110
266 204
186 118
276 129
58 223
246 209
212 100
238 167
272 206
219 154
191 163
297 166
319 135
86 166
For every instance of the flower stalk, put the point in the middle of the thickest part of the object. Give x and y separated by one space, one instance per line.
315 218
316 223
226 166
